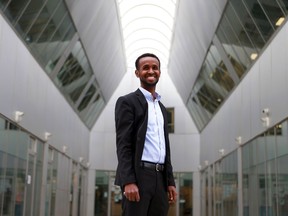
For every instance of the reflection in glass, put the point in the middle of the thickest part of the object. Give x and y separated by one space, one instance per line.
209 98
101 192
185 194
88 96
226 181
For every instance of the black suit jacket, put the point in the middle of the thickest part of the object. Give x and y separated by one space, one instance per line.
131 117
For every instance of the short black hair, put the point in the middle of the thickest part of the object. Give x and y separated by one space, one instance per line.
145 55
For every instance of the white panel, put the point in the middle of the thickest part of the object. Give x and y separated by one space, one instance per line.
279 53
185 152
248 94
253 77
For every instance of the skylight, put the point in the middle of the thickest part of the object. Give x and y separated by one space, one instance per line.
147 27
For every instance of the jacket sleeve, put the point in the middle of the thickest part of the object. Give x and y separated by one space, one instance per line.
124 122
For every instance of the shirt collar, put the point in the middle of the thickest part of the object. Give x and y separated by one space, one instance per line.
148 95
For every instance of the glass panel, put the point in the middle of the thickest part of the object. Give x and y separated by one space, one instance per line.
3 4
244 12
264 27
20 182
101 193
199 115
235 49
34 14
38 178
230 183
6 185
94 111
73 187
79 193
20 187
185 196
273 12
282 186
75 75
50 38
284 5
215 69
265 179
15 10
204 193
209 98
51 183
29 186
88 96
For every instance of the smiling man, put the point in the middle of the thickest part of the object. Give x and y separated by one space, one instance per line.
144 170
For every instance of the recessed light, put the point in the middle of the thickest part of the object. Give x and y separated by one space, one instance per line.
280 21
253 56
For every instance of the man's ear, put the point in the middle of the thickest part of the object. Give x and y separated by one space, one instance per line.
137 73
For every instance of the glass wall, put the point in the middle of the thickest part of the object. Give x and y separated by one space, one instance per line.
36 179
263 175
244 30
45 26
21 167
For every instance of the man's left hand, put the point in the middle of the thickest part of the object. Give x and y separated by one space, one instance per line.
172 194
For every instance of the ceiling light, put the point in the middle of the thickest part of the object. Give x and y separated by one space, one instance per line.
253 56
280 21
147 32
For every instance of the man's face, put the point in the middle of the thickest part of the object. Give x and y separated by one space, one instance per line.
148 72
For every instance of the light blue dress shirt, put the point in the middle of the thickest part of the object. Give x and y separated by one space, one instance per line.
154 147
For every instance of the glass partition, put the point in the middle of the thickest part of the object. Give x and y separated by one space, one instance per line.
21 166
265 176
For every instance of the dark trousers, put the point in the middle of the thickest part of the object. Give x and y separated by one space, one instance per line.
153 196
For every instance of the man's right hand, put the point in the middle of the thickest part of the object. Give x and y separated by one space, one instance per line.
131 192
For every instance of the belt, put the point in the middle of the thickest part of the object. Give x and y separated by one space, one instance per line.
153 166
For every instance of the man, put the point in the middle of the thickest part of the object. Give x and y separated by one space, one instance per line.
144 170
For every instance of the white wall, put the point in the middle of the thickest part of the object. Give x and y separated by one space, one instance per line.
24 86
184 142
264 86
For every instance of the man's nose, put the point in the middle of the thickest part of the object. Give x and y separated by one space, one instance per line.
151 70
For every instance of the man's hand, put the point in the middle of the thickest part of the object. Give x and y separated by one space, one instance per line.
131 192
172 194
